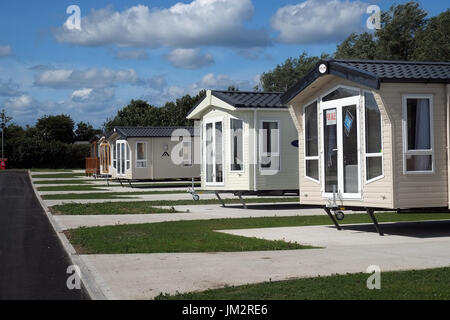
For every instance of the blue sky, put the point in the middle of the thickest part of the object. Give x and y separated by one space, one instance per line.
156 50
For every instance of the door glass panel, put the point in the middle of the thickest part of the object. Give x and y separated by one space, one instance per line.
350 148
341 93
122 157
330 146
218 142
209 152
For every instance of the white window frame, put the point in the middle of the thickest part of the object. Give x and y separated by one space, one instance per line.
124 156
114 156
231 149
371 155
213 122
276 154
309 104
407 152
145 160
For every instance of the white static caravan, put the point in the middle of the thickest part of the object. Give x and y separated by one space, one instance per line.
248 144
373 135
145 153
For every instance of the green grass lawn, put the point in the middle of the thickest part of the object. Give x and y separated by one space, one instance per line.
199 236
58 175
53 170
141 206
104 195
96 187
146 210
73 188
431 284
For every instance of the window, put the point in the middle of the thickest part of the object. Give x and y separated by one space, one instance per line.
311 142
128 158
418 135
186 151
236 144
269 146
341 93
114 156
373 133
141 155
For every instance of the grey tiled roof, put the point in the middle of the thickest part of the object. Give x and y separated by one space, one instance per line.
130 132
401 70
243 99
372 73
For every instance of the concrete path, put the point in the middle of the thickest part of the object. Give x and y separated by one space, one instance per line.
200 212
405 247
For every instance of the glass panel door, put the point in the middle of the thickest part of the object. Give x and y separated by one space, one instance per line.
214 152
350 149
331 150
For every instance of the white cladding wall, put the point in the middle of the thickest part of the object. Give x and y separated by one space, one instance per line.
286 179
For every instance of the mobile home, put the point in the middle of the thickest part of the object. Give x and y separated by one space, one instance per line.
373 135
92 163
248 143
146 153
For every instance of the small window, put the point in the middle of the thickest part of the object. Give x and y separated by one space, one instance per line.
418 133
269 146
311 142
341 93
141 155
236 144
373 133
128 158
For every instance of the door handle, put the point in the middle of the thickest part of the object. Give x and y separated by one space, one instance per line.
335 150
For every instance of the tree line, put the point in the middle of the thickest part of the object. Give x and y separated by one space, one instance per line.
406 33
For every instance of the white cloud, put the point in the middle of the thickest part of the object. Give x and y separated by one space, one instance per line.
91 78
19 102
5 51
189 59
201 22
92 95
222 82
137 54
315 21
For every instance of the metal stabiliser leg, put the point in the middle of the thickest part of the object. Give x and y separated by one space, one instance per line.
220 199
375 222
328 211
242 200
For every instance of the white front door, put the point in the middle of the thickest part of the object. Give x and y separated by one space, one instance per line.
214 152
122 157
341 140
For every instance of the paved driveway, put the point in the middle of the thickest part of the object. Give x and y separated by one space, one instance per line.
33 263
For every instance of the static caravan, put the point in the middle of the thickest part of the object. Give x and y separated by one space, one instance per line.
249 144
105 157
373 135
152 153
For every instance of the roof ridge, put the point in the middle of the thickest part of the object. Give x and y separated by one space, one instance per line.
253 92
391 61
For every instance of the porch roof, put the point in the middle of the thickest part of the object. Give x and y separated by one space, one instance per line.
137 132
372 73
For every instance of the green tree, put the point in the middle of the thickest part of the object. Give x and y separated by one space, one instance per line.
433 42
85 131
287 74
357 46
56 128
399 26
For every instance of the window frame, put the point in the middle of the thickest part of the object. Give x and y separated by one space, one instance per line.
190 162
406 151
231 147
213 122
260 153
114 156
309 104
146 155
372 155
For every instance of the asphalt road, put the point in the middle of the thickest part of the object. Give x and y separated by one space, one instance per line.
33 263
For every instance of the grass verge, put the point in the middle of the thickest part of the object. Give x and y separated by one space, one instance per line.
71 182
199 236
58 175
138 207
430 284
